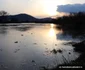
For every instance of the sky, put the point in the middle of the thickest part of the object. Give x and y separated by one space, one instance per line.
38 8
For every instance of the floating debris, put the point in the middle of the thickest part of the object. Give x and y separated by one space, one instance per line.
2 65
21 34
16 50
35 43
55 44
16 42
69 52
60 51
31 33
54 51
33 61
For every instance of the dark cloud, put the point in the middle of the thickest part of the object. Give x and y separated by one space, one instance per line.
71 8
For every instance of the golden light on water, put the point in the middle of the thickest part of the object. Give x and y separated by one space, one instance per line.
52 25
52 31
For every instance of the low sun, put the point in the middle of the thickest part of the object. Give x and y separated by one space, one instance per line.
50 6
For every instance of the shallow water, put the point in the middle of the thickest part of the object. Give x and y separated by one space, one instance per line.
29 46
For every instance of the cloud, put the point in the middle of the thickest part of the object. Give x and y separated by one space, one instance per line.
71 8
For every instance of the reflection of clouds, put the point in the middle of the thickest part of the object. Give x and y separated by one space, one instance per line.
60 36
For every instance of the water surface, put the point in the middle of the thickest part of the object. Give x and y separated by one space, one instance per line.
29 46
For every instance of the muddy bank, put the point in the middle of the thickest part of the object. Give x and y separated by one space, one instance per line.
79 63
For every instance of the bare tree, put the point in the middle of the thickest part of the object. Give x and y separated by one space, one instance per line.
3 13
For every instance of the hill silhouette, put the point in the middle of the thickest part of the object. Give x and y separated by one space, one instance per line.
23 18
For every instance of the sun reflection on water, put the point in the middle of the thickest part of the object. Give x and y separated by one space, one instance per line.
52 25
52 31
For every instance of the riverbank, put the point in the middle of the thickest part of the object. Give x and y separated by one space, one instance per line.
79 63
73 25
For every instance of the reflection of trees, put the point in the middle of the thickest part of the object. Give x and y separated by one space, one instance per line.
22 28
73 31
3 30
73 25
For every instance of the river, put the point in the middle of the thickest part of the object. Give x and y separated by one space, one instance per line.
29 46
